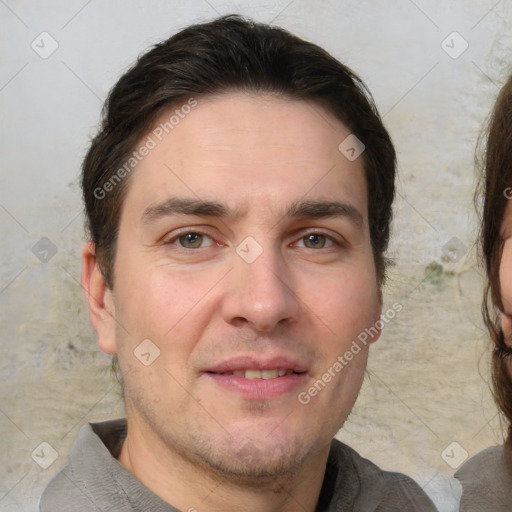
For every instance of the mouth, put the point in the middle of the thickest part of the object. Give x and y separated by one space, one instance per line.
260 374
254 378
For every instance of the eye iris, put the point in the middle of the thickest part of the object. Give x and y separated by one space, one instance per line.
191 240
314 241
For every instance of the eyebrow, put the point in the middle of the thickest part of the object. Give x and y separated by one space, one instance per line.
182 206
322 209
204 208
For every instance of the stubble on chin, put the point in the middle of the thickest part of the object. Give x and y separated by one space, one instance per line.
238 460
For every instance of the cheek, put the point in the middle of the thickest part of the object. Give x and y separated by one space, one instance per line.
347 303
506 276
160 303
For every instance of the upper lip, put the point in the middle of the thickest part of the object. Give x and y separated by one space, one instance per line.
253 362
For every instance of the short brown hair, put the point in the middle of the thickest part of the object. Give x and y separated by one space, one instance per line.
230 53
496 178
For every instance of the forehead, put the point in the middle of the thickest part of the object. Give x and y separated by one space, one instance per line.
250 151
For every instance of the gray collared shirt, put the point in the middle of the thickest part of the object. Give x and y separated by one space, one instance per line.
93 481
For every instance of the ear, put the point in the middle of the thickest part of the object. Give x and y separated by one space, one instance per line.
99 299
377 323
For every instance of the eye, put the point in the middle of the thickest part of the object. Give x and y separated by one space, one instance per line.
317 241
191 240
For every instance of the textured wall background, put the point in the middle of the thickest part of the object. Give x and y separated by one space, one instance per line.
427 379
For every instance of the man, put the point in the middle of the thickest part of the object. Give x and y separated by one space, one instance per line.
238 199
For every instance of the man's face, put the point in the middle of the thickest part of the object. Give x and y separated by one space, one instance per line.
244 251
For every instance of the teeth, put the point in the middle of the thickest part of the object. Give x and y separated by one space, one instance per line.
252 374
260 374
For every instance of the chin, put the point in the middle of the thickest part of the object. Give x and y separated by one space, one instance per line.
255 463
250 451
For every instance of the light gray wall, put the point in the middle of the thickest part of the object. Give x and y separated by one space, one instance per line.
427 375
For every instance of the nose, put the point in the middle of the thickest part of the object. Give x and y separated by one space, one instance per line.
260 293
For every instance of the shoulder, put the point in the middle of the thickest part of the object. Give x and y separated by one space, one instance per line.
62 496
380 490
79 484
490 457
485 480
482 468
62 493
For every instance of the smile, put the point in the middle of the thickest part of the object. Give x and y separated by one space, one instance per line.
260 374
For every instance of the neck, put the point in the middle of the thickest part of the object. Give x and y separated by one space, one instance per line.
190 486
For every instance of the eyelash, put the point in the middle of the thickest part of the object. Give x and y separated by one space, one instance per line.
172 240
322 233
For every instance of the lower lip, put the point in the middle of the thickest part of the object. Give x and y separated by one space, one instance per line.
260 389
